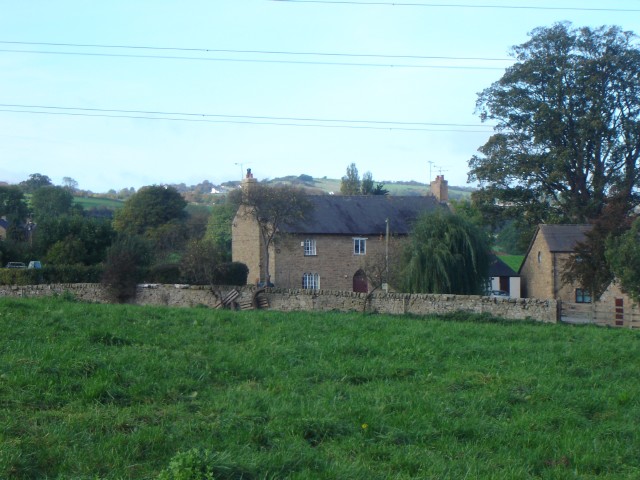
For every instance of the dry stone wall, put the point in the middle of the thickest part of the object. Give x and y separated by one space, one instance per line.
304 300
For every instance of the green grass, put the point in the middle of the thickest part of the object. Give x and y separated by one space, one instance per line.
96 202
513 261
111 391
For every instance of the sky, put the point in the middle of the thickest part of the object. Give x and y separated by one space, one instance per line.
125 93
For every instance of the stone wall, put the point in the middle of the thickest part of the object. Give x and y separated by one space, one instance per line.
304 300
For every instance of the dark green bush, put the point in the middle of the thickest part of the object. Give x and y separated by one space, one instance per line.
231 273
70 274
18 276
127 260
51 274
164 273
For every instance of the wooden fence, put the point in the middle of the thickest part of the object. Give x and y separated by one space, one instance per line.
617 313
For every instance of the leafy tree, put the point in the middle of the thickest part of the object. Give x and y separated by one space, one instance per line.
567 132
35 181
150 208
446 254
273 207
51 201
200 262
623 254
70 184
367 185
70 251
94 235
13 205
350 184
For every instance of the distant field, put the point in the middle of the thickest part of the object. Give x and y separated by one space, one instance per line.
95 202
513 261
333 185
110 391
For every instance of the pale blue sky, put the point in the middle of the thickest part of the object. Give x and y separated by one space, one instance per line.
103 153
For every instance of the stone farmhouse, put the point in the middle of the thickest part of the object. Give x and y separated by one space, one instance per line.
343 245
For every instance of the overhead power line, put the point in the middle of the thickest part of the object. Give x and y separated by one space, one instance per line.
463 5
241 119
253 60
260 52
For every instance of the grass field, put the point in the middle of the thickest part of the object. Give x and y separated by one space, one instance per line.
110 391
97 202
513 261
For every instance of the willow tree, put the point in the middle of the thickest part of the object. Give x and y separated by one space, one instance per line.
446 254
567 126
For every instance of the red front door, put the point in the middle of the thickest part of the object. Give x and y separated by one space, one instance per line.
360 283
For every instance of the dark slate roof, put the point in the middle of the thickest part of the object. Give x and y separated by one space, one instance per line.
497 268
563 238
363 215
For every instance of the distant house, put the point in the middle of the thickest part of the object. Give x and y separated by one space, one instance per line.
543 266
503 278
338 246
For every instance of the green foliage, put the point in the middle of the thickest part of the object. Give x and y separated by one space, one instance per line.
200 262
18 276
119 391
13 205
219 227
568 125
35 181
89 239
149 208
231 273
367 185
202 464
164 273
51 274
350 184
514 237
124 267
446 254
51 202
71 274
70 251
623 255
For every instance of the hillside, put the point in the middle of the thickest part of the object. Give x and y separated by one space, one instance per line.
406 188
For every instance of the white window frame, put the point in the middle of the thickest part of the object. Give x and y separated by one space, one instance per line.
311 281
310 247
359 246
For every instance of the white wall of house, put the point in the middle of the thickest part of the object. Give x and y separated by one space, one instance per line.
514 286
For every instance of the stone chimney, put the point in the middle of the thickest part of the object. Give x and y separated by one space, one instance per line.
440 189
247 182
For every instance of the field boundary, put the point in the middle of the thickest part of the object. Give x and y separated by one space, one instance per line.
307 300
